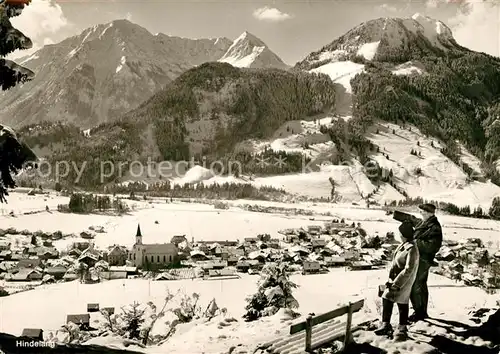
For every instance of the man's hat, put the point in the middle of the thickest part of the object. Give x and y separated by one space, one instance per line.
430 208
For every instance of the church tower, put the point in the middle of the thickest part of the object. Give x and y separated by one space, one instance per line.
138 236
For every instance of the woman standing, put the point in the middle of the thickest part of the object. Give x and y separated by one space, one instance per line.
402 274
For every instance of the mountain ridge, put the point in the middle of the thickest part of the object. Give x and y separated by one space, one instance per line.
102 73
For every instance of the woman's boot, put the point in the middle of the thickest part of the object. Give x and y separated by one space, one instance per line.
384 329
401 333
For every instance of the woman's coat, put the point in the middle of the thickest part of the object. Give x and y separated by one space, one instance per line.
403 271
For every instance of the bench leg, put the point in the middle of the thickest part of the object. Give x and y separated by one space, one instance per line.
348 339
309 333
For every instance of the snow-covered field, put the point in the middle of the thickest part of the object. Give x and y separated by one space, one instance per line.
204 222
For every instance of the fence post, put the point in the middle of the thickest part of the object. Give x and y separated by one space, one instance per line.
348 335
308 333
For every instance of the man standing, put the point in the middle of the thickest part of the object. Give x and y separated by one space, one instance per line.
429 237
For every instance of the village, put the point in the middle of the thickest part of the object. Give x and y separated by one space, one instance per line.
35 261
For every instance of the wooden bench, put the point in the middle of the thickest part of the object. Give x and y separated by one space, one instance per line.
317 331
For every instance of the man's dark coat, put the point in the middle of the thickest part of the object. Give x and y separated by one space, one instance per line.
428 236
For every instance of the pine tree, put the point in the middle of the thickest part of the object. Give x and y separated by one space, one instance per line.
478 212
133 318
484 260
275 291
494 211
14 153
11 39
76 203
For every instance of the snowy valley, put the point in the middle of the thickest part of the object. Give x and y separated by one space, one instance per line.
202 222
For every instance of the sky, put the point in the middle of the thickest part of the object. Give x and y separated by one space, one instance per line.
292 29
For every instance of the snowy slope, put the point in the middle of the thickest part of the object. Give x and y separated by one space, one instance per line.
194 175
341 72
408 68
342 60
441 179
351 183
248 51
302 136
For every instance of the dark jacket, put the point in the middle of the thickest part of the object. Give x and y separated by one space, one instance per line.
428 236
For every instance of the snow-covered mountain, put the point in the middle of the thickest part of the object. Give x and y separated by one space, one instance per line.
396 40
383 38
370 63
248 51
102 73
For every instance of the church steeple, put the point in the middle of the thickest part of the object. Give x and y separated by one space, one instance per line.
138 235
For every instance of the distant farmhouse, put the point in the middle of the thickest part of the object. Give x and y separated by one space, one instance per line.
153 256
117 256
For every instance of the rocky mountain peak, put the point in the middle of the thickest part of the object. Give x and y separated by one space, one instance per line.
386 38
249 51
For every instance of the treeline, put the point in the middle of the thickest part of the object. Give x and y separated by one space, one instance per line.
89 203
268 162
228 191
452 209
46 134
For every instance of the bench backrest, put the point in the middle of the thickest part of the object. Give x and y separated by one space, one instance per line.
355 307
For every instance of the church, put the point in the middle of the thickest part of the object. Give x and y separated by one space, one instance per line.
152 256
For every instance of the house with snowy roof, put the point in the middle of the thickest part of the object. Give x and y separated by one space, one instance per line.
117 255
26 274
